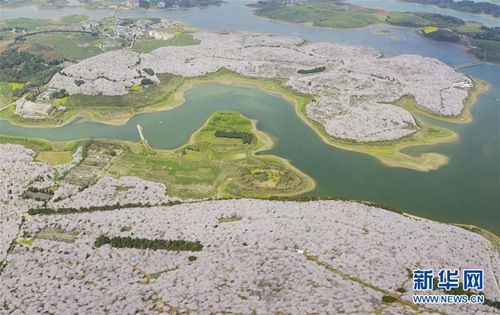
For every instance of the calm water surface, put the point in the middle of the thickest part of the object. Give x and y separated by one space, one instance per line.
465 191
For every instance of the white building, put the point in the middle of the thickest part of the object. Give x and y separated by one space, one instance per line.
160 35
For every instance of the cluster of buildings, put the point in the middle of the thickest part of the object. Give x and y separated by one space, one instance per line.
126 30
29 109
39 107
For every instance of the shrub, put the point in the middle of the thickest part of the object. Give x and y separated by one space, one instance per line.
192 258
146 82
246 137
388 299
313 70
59 94
148 71
144 243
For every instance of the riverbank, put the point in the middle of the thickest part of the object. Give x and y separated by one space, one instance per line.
387 152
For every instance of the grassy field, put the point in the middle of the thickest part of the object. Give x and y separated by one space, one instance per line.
488 51
28 24
65 44
5 94
209 165
233 218
72 19
323 15
36 145
16 86
469 27
183 38
406 18
54 158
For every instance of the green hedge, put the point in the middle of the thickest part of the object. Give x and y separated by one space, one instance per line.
144 243
50 211
246 137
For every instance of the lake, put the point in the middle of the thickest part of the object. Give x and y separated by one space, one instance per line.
464 191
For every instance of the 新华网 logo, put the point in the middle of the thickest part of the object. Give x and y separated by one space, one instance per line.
448 279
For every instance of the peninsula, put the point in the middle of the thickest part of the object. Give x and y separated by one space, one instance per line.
125 245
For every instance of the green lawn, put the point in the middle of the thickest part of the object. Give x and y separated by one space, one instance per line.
234 218
406 19
488 45
143 45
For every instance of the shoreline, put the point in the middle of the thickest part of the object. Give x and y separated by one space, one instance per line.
265 142
424 163
489 236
